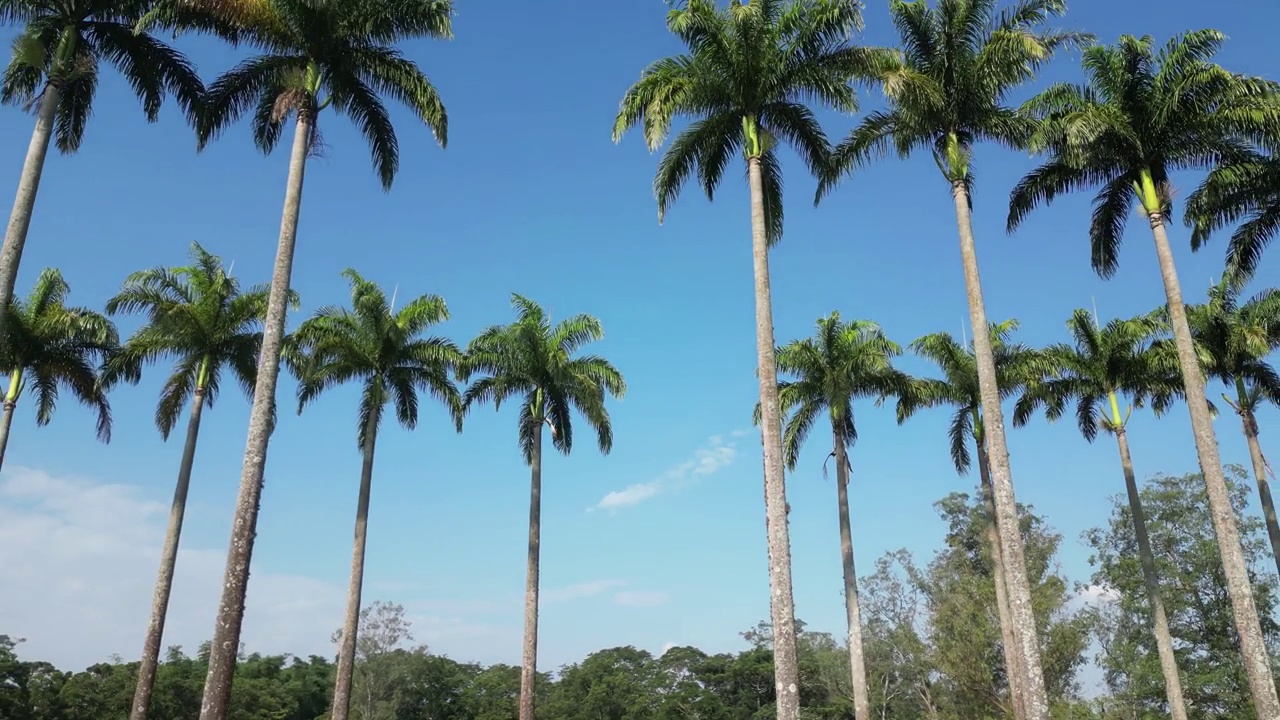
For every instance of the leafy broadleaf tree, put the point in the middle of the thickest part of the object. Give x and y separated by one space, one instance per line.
198 317
54 68
1235 338
745 82
1104 363
385 350
51 346
1142 114
1245 191
1016 365
533 362
843 361
314 56
960 60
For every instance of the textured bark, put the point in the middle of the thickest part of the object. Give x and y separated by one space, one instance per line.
351 623
226 630
1257 663
1260 476
1035 699
15 234
782 603
857 661
1008 631
168 562
1160 621
529 661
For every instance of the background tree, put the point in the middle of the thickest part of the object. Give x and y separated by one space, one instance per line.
198 317
1142 114
533 361
841 362
1103 363
341 54
1016 365
54 68
947 92
1199 606
50 346
1235 339
1245 190
386 351
749 71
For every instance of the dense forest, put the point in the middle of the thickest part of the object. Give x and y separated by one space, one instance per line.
931 637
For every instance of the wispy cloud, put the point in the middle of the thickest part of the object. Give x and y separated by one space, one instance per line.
640 598
715 455
580 590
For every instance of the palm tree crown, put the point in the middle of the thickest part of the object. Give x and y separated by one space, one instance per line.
947 91
319 54
1125 357
383 348
1235 338
64 43
533 360
744 81
197 317
1246 190
1140 115
1016 365
843 361
50 345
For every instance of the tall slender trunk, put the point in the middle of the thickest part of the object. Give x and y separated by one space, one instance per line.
1008 630
1160 621
857 661
10 402
226 632
168 562
1250 423
529 660
24 203
1036 700
1257 663
786 671
351 623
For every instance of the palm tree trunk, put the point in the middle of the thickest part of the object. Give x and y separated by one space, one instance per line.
1036 700
857 662
351 624
226 631
1164 639
15 235
1257 664
168 562
1007 626
10 402
529 660
1259 471
782 603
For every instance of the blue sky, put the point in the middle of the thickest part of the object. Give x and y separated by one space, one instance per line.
532 196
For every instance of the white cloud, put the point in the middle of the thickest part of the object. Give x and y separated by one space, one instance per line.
581 590
640 598
717 454
1096 594
667 646
85 557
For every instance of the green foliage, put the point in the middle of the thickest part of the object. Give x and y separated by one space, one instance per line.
1244 191
533 360
744 82
63 44
1235 339
1200 616
50 346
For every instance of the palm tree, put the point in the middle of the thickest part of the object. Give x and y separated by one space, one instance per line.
960 61
1235 339
340 54
52 346
842 362
1016 365
1142 114
744 83
386 350
1246 189
1122 358
198 317
54 69
533 361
